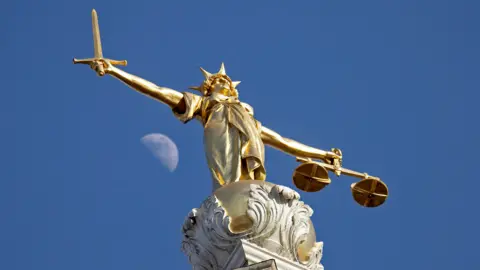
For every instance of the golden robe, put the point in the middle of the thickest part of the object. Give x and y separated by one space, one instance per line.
233 145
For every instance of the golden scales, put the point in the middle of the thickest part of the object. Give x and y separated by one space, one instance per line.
312 176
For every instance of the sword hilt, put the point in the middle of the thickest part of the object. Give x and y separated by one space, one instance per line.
98 66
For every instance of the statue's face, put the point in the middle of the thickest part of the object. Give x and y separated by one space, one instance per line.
221 85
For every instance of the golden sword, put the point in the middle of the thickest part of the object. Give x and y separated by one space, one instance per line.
97 47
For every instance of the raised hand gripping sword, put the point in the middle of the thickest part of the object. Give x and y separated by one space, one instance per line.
98 54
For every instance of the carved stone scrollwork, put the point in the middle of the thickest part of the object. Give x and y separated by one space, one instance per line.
272 217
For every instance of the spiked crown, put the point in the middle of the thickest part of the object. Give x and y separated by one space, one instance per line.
204 88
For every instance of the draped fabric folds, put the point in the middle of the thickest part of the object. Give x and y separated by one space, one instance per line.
232 141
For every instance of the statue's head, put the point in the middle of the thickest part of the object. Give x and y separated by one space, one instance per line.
217 83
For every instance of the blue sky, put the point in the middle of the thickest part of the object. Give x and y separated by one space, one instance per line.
394 84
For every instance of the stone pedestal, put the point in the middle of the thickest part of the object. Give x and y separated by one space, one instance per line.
252 225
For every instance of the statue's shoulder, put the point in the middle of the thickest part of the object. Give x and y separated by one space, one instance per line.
247 107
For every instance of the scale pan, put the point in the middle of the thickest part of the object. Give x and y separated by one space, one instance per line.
369 192
311 177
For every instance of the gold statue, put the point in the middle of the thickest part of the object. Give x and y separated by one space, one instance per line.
233 139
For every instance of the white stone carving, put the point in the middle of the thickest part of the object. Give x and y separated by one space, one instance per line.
255 254
280 224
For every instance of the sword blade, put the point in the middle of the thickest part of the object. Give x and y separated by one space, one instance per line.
97 43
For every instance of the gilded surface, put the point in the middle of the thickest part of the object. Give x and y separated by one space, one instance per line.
233 146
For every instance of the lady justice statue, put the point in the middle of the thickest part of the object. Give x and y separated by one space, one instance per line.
233 139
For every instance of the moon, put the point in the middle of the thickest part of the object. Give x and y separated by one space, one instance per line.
163 148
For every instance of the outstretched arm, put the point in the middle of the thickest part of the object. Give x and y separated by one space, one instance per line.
172 98
294 148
